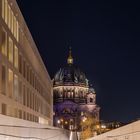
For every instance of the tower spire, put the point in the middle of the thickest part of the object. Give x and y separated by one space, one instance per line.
70 58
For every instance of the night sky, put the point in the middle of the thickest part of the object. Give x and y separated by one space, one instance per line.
105 41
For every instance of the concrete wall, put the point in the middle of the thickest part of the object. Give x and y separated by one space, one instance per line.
18 129
127 132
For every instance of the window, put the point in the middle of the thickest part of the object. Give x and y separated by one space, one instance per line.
20 114
31 100
28 97
3 9
16 87
24 115
24 69
35 103
10 53
28 115
6 9
91 100
16 112
20 64
4 42
17 31
28 73
3 109
20 92
15 28
10 82
12 22
10 19
3 80
24 95
16 56
9 16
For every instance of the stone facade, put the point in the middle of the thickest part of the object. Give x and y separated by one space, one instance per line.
73 99
25 85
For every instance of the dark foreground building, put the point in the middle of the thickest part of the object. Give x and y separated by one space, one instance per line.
73 99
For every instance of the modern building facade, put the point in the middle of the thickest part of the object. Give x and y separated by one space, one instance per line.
25 85
74 100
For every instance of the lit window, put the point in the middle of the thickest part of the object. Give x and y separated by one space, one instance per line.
6 11
16 57
12 22
15 27
10 51
11 19
3 8
20 91
17 31
4 42
9 16
15 87
10 82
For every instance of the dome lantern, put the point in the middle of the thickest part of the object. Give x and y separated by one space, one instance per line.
70 58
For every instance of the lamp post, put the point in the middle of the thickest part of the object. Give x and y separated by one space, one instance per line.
60 122
83 120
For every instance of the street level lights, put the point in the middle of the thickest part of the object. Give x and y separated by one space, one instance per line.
60 122
84 118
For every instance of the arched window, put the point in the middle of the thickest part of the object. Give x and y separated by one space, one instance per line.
91 100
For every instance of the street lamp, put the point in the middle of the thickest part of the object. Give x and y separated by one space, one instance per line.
58 121
84 118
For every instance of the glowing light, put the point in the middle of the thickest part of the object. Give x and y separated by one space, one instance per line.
98 126
103 126
61 120
84 119
58 121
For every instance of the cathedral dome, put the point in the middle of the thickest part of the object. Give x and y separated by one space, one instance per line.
70 75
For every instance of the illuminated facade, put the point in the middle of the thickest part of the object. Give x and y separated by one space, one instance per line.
25 86
73 99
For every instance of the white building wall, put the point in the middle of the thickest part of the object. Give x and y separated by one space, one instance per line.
127 132
18 129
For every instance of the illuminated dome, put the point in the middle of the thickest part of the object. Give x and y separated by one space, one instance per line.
70 75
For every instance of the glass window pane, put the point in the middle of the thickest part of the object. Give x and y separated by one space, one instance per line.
10 50
16 57
10 83
3 80
4 42
16 87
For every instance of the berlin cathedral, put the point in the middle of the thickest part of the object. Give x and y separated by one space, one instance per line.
73 98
